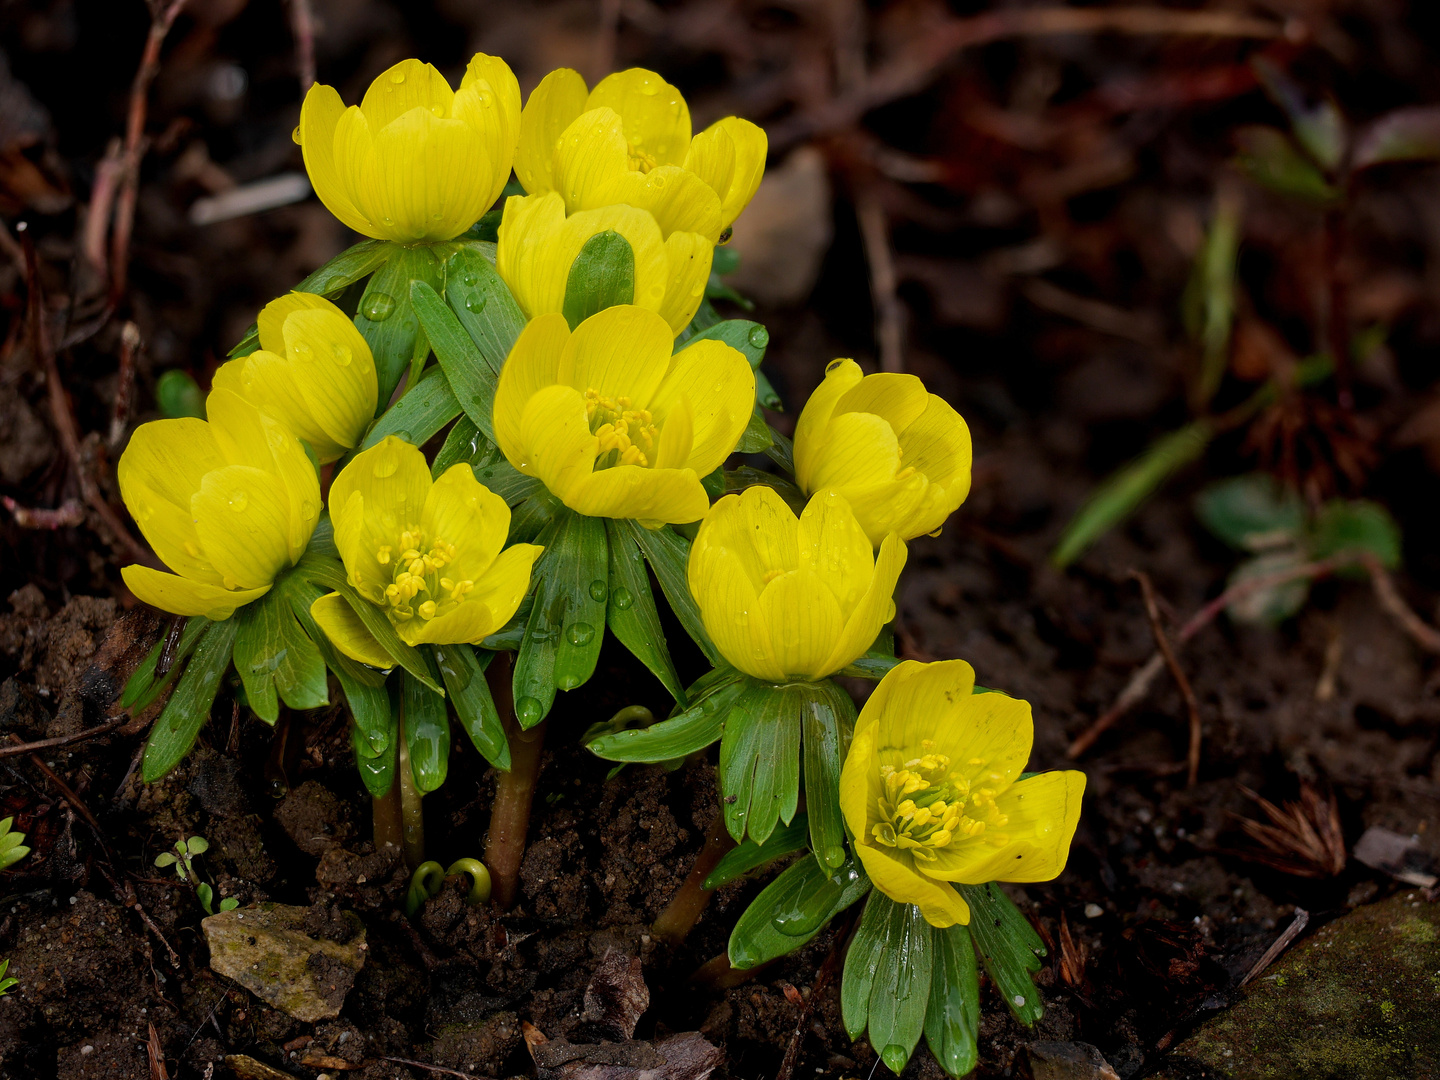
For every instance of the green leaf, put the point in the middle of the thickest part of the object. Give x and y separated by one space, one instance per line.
827 721
144 686
1269 158
602 276
791 910
463 442
471 378
533 516
694 729
423 410
900 991
1317 125
386 318
377 771
177 395
741 860
427 733
782 451
668 553
187 710
1356 525
1272 605
1253 512
1123 491
509 482
329 280
726 261
464 675
760 758
1009 948
1410 134
631 613
273 652
756 437
952 1019
862 962
482 303
1209 301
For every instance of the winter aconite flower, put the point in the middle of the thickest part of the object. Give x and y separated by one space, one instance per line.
427 552
414 160
613 423
931 791
226 504
791 600
628 141
538 245
313 372
899 455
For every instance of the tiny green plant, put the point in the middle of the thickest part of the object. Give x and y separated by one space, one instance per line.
7 982
182 858
427 879
12 845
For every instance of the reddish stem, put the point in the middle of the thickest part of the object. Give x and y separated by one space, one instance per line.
686 906
514 791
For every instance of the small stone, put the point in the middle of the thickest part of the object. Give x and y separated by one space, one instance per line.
265 948
1093 911
1068 1061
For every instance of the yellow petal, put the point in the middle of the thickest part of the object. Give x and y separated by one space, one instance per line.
899 399
267 381
719 383
491 605
912 702
860 775
938 445
480 109
678 200
728 608
170 457
464 512
551 108
987 738
533 364
688 259
667 496
558 446
334 372
182 596
378 495
171 532
524 251
492 74
729 155
410 84
657 120
803 621
677 436
420 177
840 376
348 633
241 516
319 120
895 876
590 151
1043 812
834 547
874 609
860 449
271 320
354 154
758 528
905 507
620 351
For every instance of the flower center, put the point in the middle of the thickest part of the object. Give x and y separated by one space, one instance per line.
927 805
415 573
627 435
640 161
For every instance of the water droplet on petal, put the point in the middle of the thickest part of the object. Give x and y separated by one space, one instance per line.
386 465
238 500
295 137
302 352
341 353
397 77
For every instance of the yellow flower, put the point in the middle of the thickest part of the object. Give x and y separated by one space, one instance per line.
900 455
428 552
628 141
930 792
613 423
538 244
786 600
313 372
415 160
225 504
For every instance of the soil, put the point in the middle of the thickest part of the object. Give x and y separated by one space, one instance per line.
1163 904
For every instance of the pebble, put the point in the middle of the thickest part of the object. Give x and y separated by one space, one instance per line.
1093 911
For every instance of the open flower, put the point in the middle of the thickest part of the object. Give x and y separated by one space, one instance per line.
900 455
226 504
628 141
613 423
931 792
414 160
538 245
313 372
428 552
791 600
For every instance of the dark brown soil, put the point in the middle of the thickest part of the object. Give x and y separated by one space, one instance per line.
1160 902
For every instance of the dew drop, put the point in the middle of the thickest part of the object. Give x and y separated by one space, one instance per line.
307 509
529 711
597 590
341 353
622 598
475 303
295 137
397 77
1019 1001
469 280
759 337
386 465
569 682
648 88
378 741
238 500
379 306
579 634
302 352
833 365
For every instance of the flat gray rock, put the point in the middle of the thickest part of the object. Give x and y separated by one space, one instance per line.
270 950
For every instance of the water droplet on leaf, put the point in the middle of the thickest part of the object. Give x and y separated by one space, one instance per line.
579 633
597 590
529 711
622 598
759 337
475 303
379 306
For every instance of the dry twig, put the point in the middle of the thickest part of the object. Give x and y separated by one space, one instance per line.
70 512
62 740
1304 839
302 24
1390 600
880 255
124 381
1291 932
1192 758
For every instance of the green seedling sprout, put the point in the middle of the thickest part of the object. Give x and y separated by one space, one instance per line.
182 858
425 883
12 845
7 982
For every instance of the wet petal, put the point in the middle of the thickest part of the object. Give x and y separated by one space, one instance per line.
688 259
183 596
241 516
803 621
657 120
533 364
719 383
667 496
348 633
874 609
552 107
464 512
319 119
810 430
621 351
